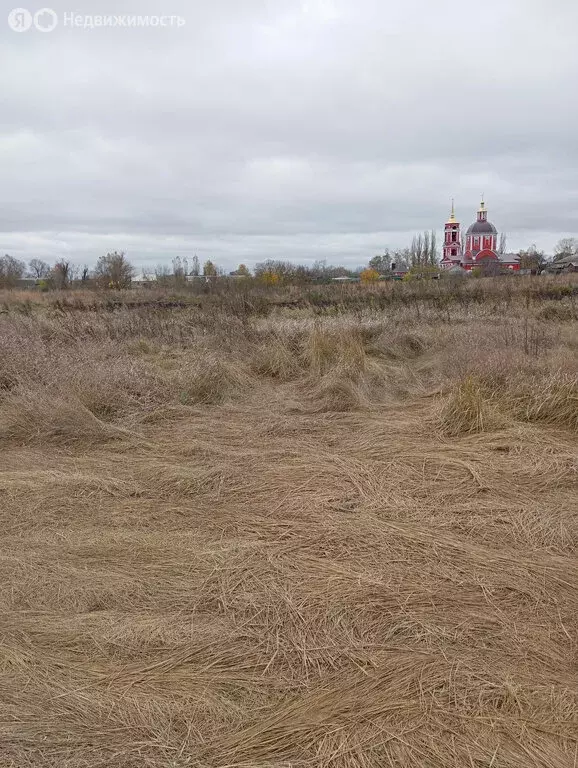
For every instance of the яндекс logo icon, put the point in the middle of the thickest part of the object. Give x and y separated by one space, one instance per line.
20 20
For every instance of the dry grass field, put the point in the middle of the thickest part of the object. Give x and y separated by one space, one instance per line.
316 533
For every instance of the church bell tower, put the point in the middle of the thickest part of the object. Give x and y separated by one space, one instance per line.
452 242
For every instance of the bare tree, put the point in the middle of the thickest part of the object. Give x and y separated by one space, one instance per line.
426 248
567 246
61 274
162 274
401 260
114 271
381 263
488 267
180 267
503 244
196 268
38 268
417 251
11 271
433 248
532 259
424 251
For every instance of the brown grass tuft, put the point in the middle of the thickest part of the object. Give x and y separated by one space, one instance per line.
557 313
553 400
275 358
470 410
324 350
484 405
37 416
336 393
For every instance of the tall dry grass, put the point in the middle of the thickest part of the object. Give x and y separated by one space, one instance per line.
320 539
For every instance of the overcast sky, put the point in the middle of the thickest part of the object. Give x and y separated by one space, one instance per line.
294 129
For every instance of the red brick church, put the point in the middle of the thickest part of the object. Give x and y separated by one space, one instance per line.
480 248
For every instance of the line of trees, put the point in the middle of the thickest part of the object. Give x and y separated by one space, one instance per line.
423 252
111 271
181 271
114 271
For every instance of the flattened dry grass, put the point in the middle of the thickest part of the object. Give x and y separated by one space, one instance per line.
346 542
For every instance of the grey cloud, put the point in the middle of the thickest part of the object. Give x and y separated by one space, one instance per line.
319 129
